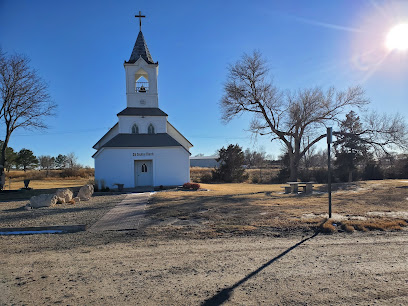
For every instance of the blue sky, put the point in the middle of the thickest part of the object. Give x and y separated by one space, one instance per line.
79 47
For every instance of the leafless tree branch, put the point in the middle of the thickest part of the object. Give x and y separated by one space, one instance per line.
25 101
289 117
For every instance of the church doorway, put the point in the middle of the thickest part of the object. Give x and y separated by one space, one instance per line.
143 173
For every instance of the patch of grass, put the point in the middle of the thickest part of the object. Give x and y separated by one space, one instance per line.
376 224
327 227
360 228
347 228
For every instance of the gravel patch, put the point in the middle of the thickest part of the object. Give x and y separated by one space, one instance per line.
13 214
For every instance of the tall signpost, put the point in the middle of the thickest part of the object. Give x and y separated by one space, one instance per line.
329 141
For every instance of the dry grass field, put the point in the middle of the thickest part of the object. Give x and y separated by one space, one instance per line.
48 183
262 209
40 183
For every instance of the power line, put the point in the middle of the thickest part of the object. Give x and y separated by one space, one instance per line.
217 137
107 128
60 133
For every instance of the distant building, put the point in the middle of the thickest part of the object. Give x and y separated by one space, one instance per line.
204 161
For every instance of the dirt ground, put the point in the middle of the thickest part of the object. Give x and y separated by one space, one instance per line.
346 269
238 244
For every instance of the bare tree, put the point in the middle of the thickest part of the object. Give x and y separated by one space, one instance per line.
288 117
383 132
71 160
46 162
254 159
25 100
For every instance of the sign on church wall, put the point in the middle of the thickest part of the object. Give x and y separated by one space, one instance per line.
143 154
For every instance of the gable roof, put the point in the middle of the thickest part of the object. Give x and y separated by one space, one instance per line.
106 134
141 111
142 140
180 133
140 50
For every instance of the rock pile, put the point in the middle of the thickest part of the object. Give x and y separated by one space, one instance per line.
43 200
86 192
62 196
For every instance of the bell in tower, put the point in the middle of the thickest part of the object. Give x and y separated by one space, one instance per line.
141 74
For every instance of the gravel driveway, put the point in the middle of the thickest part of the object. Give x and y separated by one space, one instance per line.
123 269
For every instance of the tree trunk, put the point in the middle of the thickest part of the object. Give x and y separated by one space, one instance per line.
350 177
294 159
3 158
293 168
3 153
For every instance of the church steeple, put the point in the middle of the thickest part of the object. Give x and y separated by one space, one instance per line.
140 50
141 75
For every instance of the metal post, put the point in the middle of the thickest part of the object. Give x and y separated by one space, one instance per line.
329 140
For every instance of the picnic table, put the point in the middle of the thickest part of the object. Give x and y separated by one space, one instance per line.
307 187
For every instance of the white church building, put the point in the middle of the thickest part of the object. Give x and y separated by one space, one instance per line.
142 148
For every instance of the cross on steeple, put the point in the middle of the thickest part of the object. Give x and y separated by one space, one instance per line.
140 16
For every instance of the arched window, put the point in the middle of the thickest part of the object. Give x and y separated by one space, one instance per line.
135 129
150 129
144 168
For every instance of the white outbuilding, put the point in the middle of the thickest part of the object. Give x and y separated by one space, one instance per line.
143 148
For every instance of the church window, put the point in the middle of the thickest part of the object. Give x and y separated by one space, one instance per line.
135 129
144 168
150 129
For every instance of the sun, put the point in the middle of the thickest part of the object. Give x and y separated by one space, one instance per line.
397 38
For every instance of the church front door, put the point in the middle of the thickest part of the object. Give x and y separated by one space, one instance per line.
143 173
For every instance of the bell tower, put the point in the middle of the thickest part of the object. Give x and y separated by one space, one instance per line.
141 74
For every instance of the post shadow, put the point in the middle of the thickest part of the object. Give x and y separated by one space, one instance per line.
224 295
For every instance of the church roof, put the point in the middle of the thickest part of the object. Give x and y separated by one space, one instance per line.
142 111
140 50
142 140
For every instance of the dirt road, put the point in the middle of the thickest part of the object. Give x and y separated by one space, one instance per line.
358 269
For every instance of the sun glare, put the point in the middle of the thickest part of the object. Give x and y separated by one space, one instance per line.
397 38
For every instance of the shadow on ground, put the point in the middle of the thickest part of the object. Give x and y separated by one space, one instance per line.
224 295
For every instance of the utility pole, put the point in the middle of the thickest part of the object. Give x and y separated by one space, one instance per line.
329 141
